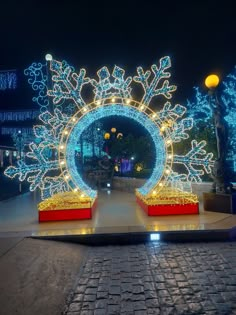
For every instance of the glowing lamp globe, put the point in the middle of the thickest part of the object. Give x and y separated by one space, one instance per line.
48 57
113 130
212 81
107 136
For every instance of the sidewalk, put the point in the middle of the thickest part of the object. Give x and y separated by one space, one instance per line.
37 276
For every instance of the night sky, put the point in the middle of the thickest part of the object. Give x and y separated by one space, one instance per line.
199 36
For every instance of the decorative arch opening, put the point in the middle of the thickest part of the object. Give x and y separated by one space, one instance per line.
78 123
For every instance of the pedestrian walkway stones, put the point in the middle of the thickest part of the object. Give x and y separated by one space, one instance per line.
157 278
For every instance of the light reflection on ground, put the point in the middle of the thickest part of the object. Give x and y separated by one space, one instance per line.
117 212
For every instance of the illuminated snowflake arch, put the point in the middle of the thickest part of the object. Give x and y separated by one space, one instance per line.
57 137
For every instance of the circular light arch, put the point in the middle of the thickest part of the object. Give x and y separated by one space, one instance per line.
118 107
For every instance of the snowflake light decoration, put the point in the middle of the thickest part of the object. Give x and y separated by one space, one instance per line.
53 167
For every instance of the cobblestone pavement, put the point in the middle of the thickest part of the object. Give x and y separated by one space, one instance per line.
157 278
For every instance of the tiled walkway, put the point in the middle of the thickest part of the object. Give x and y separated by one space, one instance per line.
157 278
117 212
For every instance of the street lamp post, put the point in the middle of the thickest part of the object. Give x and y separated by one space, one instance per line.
221 183
20 154
107 138
48 58
111 137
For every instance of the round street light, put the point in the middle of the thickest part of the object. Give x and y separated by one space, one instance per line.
107 136
221 182
212 81
48 57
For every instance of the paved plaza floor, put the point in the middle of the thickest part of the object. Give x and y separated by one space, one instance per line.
54 278
117 212
157 278
48 277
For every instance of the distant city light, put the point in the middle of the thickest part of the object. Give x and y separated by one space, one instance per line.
8 80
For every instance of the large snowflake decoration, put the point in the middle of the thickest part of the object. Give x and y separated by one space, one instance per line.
65 114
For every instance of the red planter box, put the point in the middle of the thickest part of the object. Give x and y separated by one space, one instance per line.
67 214
168 209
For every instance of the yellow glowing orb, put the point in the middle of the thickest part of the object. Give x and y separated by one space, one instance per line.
212 81
139 167
107 136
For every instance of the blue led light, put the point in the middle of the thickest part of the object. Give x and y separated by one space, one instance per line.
123 111
38 79
200 111
150 88
56 138
229 100
117 87
8 80
199 108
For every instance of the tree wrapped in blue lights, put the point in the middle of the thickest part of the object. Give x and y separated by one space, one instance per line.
229 99
53 168
200 110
